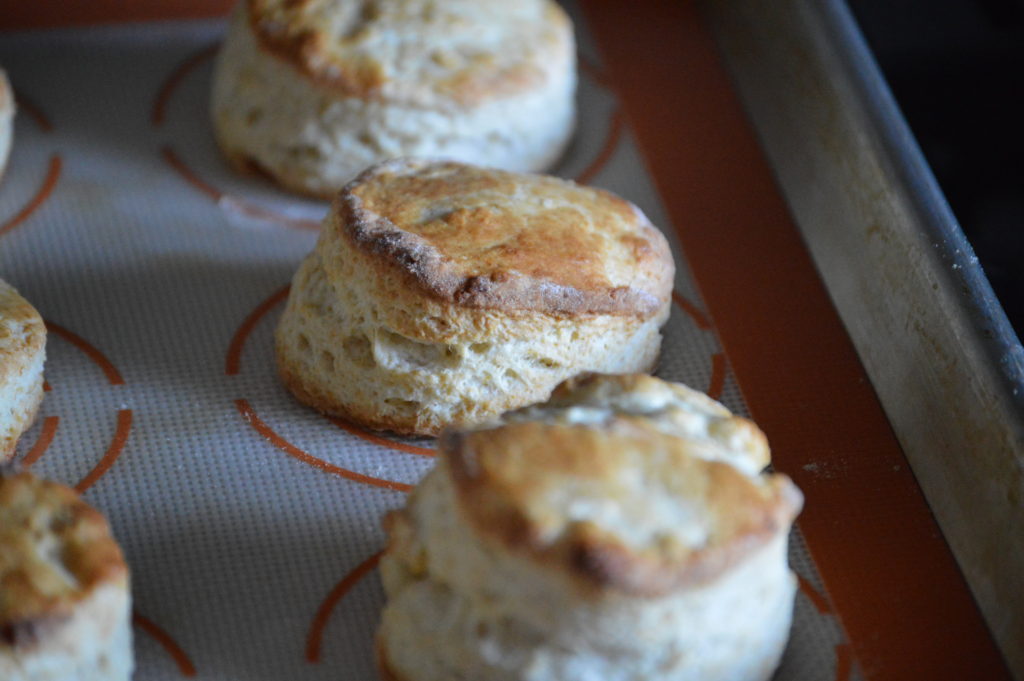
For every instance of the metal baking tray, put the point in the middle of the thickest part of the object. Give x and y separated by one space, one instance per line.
942 357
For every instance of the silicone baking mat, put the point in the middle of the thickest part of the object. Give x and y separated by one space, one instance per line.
251 524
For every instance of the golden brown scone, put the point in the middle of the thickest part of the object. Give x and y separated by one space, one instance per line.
311 92
443 293
22 353
6 120
591 538
64 597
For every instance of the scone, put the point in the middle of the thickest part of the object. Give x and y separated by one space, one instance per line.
312 92
6 120
444 293
64 599
22 353
620 532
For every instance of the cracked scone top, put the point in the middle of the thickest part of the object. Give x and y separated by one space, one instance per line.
620 531
444 293
22 354
316 90
64 599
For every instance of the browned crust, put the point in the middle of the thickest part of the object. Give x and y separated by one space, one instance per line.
16 354
305 49
492 505
419 263
17 310
87 551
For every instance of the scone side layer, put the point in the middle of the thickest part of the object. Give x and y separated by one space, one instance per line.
334 397
311 394
556 267
506 479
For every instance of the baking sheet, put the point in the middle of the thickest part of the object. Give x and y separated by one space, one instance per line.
250 523
940 352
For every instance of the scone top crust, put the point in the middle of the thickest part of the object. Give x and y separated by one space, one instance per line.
619 502
487 238
711 431
22 332
55 550
421 52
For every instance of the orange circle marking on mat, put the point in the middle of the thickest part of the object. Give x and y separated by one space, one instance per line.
184 67
124 427
816 597
42 443
43 193
316 630
164 639
233 361
611 143
698 317
33 110
592 69
250 416
113 375
358 431
50 423
717 382
844 661
238 205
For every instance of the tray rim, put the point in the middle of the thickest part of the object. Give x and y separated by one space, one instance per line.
981 340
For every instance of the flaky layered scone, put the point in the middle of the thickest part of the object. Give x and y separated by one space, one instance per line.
22 353
443 293
621 532
64 598
6 120
314 91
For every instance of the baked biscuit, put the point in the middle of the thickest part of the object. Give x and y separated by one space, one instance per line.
444 293
22 353
593 539
64 600
314 91
6 120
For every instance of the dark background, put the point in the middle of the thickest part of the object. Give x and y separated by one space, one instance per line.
956 68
